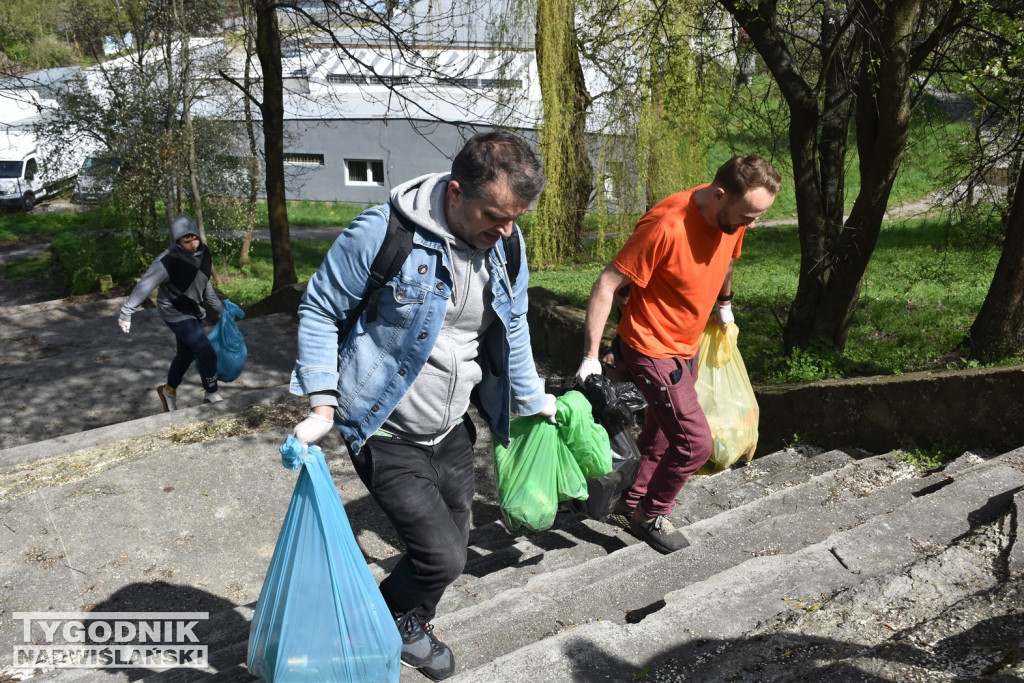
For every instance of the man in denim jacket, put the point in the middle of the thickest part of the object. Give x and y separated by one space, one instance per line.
398 389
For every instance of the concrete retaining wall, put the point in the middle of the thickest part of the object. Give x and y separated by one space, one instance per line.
952 410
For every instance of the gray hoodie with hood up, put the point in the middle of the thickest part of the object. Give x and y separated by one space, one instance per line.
183 279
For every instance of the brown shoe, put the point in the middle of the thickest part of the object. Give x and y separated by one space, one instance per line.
167 399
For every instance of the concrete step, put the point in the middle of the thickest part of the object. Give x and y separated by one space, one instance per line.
696 619
511 591
631 582
951 612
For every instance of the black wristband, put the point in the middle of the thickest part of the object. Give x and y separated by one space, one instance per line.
727 297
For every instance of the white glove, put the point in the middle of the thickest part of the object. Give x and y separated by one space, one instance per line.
125 325
549 408
312 429
589 366
724 315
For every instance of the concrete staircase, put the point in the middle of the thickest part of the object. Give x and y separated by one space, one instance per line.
803 563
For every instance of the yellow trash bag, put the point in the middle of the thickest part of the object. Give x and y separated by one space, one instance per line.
725 394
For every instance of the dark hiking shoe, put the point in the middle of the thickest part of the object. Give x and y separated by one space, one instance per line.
167 399
422 650
657 532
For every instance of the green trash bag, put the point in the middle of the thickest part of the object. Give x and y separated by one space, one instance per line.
539 468
586 439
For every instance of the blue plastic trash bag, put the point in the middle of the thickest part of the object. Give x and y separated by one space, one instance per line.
320 615
229 344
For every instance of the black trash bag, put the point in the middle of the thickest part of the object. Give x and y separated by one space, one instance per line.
615 406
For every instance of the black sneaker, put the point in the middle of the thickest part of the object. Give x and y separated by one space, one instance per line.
657 532
422 650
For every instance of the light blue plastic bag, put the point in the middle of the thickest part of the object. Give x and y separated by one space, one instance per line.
229 343
320 615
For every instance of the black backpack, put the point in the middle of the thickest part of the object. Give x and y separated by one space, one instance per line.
388 262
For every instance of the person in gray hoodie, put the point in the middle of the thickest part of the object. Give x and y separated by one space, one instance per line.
181 275
449 327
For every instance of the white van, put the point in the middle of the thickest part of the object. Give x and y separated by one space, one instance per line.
21 178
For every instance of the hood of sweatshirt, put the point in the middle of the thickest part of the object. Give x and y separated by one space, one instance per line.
183 225
440 394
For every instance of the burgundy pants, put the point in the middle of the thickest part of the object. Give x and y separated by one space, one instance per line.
676 439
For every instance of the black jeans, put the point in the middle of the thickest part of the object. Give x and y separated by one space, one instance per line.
192 343
427 493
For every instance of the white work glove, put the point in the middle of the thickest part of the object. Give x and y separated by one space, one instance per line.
312 429
125 325
589 366
724 315
549 408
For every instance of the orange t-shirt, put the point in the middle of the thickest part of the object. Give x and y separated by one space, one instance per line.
677 262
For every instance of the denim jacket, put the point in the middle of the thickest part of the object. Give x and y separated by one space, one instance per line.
376 363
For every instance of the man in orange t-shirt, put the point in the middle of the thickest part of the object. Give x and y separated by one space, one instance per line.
679 262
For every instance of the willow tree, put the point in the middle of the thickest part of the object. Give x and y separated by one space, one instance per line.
650 105
638 114
559 230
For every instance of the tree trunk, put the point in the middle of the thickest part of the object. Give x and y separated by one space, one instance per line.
268 49
998 331
250 133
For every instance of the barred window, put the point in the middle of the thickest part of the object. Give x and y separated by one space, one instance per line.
304 159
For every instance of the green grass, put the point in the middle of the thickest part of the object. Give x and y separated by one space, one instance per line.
18 225
313 214
27 267
246 286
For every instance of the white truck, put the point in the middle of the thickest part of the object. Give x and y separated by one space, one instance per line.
22 181
28 168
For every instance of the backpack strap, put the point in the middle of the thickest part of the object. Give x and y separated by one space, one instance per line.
394 250
513 254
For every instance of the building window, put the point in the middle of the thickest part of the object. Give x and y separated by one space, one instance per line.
304 159
346 78
364 171
500 83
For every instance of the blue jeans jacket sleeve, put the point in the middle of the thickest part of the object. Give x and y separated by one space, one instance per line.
527 387
332 293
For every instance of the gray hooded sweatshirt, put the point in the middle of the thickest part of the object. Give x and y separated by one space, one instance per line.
183 279
439 396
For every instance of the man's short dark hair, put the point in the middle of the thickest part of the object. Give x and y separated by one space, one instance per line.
741 174
487 156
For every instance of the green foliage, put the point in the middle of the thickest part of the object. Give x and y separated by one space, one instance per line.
96 249
818 362
926 460
252 283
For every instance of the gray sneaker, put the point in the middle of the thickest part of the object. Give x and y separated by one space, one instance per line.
657 532
422 650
